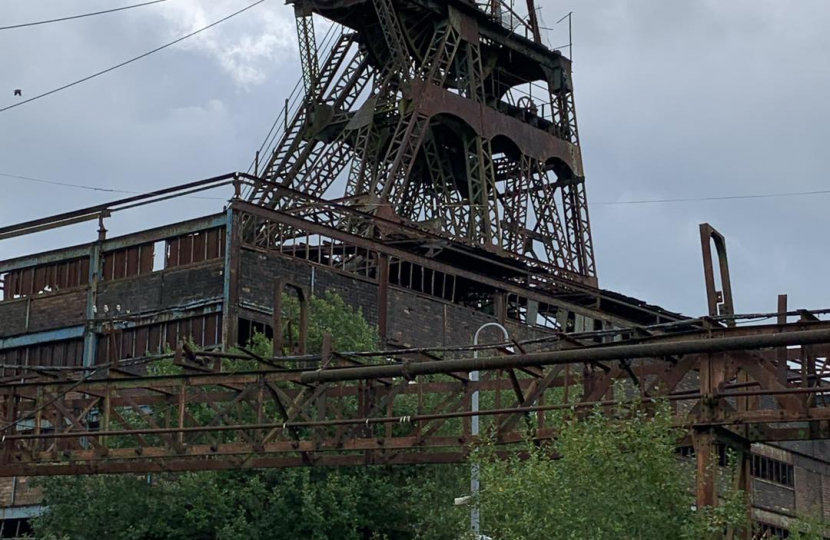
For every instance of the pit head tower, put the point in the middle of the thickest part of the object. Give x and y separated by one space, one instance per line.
451 116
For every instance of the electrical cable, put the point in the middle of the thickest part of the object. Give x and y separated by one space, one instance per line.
61 19
96 188
717 198
134 59
327 42
608 203
67 184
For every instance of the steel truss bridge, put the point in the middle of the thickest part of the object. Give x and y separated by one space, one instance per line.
207 410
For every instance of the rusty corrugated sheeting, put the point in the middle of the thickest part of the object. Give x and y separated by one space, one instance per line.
56 353
195 247
45 278
127 262
203 331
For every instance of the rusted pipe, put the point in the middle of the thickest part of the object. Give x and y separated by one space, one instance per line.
592 354
375 420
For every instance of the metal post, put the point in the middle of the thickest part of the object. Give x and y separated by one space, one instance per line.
475 517
781 355
720 302
230 300
90 335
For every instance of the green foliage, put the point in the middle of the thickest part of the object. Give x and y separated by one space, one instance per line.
316 504
359 503
610 479
809 528
329 315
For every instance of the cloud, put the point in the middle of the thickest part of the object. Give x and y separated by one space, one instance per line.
245 47
675 99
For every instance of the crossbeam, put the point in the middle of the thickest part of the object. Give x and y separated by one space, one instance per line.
395 407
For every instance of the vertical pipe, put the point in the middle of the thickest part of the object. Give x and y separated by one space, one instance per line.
706 456
313 278
105 416
277 319
304 308
712 374
230 300
781 354
383 298
181 407
475 484
90 337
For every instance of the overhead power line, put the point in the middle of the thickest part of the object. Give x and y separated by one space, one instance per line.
95 188
61 19
66 184
134 59
608 203
720 198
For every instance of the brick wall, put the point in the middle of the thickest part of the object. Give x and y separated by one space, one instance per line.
819 449
413 319
42 312
163 290
56 311
150 292
259 272
771 496
13 317
23 493
418 320
808 489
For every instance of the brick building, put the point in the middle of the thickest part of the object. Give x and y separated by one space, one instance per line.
208 281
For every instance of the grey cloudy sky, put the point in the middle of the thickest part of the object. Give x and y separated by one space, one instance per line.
675 99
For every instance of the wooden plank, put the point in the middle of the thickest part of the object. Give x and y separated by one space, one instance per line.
211 326
142 336
185 250
146 258
39 279
199 254
197 328
171 257
83 273
133 268
120 270
154 339
212 246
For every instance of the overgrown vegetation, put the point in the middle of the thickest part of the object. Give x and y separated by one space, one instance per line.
601 479
350 504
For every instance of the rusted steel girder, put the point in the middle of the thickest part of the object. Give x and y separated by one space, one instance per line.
588 355
209 416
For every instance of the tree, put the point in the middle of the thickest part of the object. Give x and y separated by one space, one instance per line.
809 528
317 504
603 478
606 477
350 504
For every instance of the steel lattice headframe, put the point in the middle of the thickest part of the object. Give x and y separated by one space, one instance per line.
437 114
